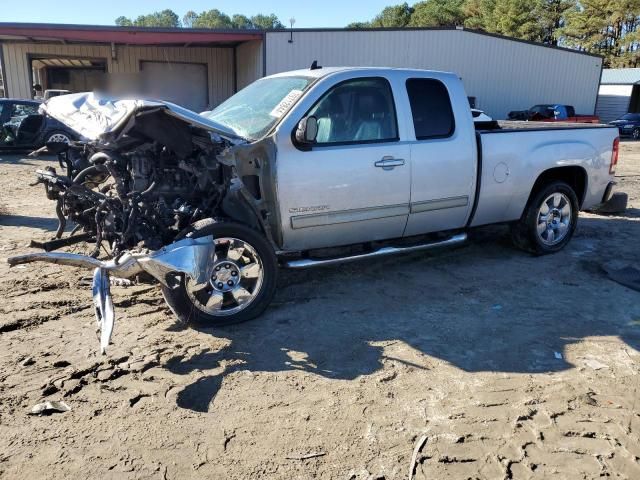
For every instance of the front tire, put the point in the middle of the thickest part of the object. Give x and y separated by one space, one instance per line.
57 136
636 134
548 221
243 277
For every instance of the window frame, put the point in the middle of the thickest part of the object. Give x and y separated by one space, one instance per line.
354 142
421 138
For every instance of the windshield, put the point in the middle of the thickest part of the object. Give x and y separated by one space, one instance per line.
634 117
254 110
546 110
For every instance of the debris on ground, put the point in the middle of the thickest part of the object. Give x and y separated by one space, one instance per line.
305 456
49 407
414 458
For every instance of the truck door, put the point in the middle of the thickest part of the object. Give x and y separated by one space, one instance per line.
353 185
443 157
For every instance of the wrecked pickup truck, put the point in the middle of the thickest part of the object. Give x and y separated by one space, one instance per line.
299 169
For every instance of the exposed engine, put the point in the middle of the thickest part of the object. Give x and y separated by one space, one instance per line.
159 177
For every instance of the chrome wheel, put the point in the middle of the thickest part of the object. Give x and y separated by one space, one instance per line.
58 138
636 133
554 218
235 278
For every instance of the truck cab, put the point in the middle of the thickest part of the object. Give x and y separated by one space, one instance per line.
389 158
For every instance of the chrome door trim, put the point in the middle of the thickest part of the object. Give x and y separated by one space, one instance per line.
439 204
347 216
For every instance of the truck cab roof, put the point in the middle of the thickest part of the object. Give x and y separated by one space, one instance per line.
321 72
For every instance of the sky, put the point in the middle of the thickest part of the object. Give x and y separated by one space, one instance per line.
310 14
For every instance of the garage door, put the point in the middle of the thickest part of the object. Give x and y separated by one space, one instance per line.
181 83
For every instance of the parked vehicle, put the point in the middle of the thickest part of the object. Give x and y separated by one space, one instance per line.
552 113
480 116
628 125
53 92
304 169
23 128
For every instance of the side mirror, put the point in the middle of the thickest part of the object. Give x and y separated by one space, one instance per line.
307 131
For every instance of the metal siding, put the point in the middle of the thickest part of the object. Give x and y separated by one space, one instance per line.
502 74
218 60
249 62
613 101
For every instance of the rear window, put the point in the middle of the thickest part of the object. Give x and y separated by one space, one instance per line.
430 108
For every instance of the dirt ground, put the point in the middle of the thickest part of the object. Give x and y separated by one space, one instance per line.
512 366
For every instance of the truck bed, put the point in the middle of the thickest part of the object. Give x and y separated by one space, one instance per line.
504 126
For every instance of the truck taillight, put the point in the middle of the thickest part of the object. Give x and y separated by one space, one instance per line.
614 156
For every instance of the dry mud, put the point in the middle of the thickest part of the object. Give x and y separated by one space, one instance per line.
511 366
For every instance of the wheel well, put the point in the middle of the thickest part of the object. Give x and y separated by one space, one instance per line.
575 177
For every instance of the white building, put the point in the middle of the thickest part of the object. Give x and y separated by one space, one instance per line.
619 93
200 68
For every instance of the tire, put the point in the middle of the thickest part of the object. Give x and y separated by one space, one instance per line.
540 233
636 134
252 266
55 136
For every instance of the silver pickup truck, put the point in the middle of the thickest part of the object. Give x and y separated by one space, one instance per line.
304 168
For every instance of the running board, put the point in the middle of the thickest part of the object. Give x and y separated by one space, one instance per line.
382 252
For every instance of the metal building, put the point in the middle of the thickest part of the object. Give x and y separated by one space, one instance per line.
619 93
500 73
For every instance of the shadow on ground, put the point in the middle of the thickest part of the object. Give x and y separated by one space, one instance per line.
486 307
22 158
44 223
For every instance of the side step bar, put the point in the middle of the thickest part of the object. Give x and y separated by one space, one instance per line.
382 252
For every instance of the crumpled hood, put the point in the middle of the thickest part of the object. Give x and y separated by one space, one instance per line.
92 115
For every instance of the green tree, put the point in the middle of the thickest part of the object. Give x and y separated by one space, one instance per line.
359 25
189 18
551 15
393 17
124 22
478 14
517 18
241 21
443 13
166 18
606 27
213 18
266 22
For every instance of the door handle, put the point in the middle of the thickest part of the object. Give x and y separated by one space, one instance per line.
389 162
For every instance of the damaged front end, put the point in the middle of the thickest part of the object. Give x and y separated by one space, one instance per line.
146 172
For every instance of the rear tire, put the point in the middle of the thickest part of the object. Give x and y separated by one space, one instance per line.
243 278
549 220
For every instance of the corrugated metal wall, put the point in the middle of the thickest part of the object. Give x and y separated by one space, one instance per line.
613 101
249 62
502 74
219 63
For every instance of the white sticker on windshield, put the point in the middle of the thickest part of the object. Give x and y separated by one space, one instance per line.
285 103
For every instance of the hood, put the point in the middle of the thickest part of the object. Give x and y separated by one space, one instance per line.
92 115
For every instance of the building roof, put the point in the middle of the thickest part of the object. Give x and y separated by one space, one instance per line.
42 32
620 76
47 32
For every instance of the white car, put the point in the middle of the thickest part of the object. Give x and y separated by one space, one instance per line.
480 116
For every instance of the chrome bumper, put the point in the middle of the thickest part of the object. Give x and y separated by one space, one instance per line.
189 256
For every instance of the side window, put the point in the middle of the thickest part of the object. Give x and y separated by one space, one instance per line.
431 108
356 111
21 110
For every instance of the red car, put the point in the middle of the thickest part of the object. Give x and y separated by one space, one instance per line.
552 113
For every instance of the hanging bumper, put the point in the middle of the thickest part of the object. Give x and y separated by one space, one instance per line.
189 256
